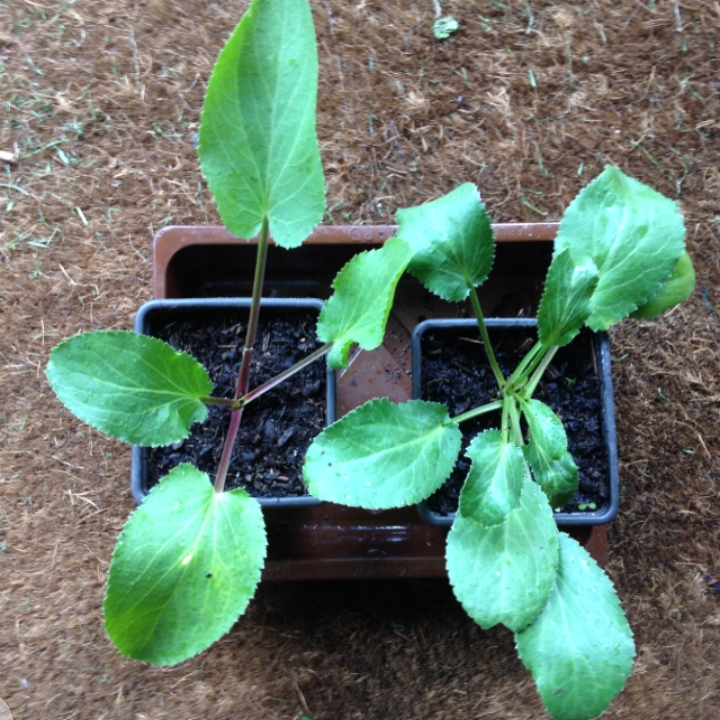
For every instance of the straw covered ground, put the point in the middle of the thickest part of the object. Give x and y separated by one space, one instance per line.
100 104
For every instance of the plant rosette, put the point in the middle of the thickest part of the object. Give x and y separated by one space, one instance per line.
189 559
620 250
447 368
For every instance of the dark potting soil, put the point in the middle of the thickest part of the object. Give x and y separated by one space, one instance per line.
278 427
456 373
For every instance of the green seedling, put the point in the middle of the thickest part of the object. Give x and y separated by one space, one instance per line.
445 27
189 559
620 250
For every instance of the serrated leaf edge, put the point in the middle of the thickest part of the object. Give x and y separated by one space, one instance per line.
156 491
51 367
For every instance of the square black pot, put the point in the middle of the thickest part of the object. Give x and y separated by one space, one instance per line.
596 455
154 316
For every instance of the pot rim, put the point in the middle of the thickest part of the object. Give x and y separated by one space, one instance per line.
173 239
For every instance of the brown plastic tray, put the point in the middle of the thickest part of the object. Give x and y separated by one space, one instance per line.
329 541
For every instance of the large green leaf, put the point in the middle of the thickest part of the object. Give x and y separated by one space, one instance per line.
134 388
364 291
632 234
184 569
580 649
495 481
675 290
258 143
504 573
452 241
552 465
567 301
383 455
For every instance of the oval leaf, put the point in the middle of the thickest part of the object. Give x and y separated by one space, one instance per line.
675 290
553 466
504 573
383 456
495 481
132 387
184 569
580 650
567 301
364 292
258 143
452 242
632 234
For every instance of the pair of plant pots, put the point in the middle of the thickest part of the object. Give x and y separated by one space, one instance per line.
201 273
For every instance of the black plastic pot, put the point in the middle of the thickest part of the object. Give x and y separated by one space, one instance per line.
608 505
158 313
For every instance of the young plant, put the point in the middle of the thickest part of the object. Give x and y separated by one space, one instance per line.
189 559
620 251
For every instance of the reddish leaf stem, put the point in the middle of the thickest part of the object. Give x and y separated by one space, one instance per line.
255 393
243 381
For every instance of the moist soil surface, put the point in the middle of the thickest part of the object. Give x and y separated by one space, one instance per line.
455 372
100 106
278 427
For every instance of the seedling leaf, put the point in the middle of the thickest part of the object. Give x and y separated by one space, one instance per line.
185 568
452 242
364 292
632 234
567 301
383 456
443 28
495 481
504 573
552 465
675 290
258 144
134 388
580 649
